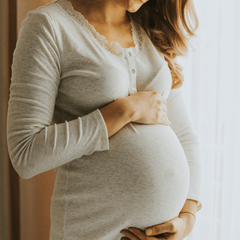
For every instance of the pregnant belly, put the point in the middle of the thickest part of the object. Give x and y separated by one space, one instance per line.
144 176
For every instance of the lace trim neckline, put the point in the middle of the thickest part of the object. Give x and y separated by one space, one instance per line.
113 47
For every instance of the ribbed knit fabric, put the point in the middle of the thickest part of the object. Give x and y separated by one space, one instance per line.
62 74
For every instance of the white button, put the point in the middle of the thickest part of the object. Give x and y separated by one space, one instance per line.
130 54
133 71
134 89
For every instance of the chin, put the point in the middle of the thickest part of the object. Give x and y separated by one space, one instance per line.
134 5
132 10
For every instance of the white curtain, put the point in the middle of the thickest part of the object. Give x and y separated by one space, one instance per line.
212 95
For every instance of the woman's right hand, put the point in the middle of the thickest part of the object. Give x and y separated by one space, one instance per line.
149 108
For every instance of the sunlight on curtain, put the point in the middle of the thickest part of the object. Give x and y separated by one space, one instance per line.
212 94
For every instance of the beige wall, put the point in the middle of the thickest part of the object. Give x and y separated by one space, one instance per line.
5 196
23 6
35 193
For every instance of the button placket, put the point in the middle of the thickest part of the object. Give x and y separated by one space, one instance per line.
132 72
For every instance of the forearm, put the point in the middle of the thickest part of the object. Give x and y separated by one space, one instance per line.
189 206
116 115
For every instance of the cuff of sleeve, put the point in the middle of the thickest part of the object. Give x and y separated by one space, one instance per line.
104 140
199 204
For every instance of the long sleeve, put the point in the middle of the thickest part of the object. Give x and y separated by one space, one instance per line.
182 125
34 144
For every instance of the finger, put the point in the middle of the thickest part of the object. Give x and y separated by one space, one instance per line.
164 100
168 122
129 235
164 108
167 227
161 238
139 233
164 119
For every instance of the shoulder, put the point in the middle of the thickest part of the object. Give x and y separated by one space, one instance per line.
51 18
51 10
51 14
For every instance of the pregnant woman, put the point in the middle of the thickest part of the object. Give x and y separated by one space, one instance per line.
96 95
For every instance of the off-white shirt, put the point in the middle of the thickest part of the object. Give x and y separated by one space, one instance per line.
63 72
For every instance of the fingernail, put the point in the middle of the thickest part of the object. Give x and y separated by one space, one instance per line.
149 231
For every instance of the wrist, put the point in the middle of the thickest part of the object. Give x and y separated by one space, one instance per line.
189 221
128 108
188 212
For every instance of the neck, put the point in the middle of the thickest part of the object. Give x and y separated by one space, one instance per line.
107 12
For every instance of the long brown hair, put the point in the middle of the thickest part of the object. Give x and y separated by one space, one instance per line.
167 23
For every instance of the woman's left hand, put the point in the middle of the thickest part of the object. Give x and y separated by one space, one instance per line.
175 229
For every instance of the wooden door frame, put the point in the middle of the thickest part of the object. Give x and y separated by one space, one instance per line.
10 206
